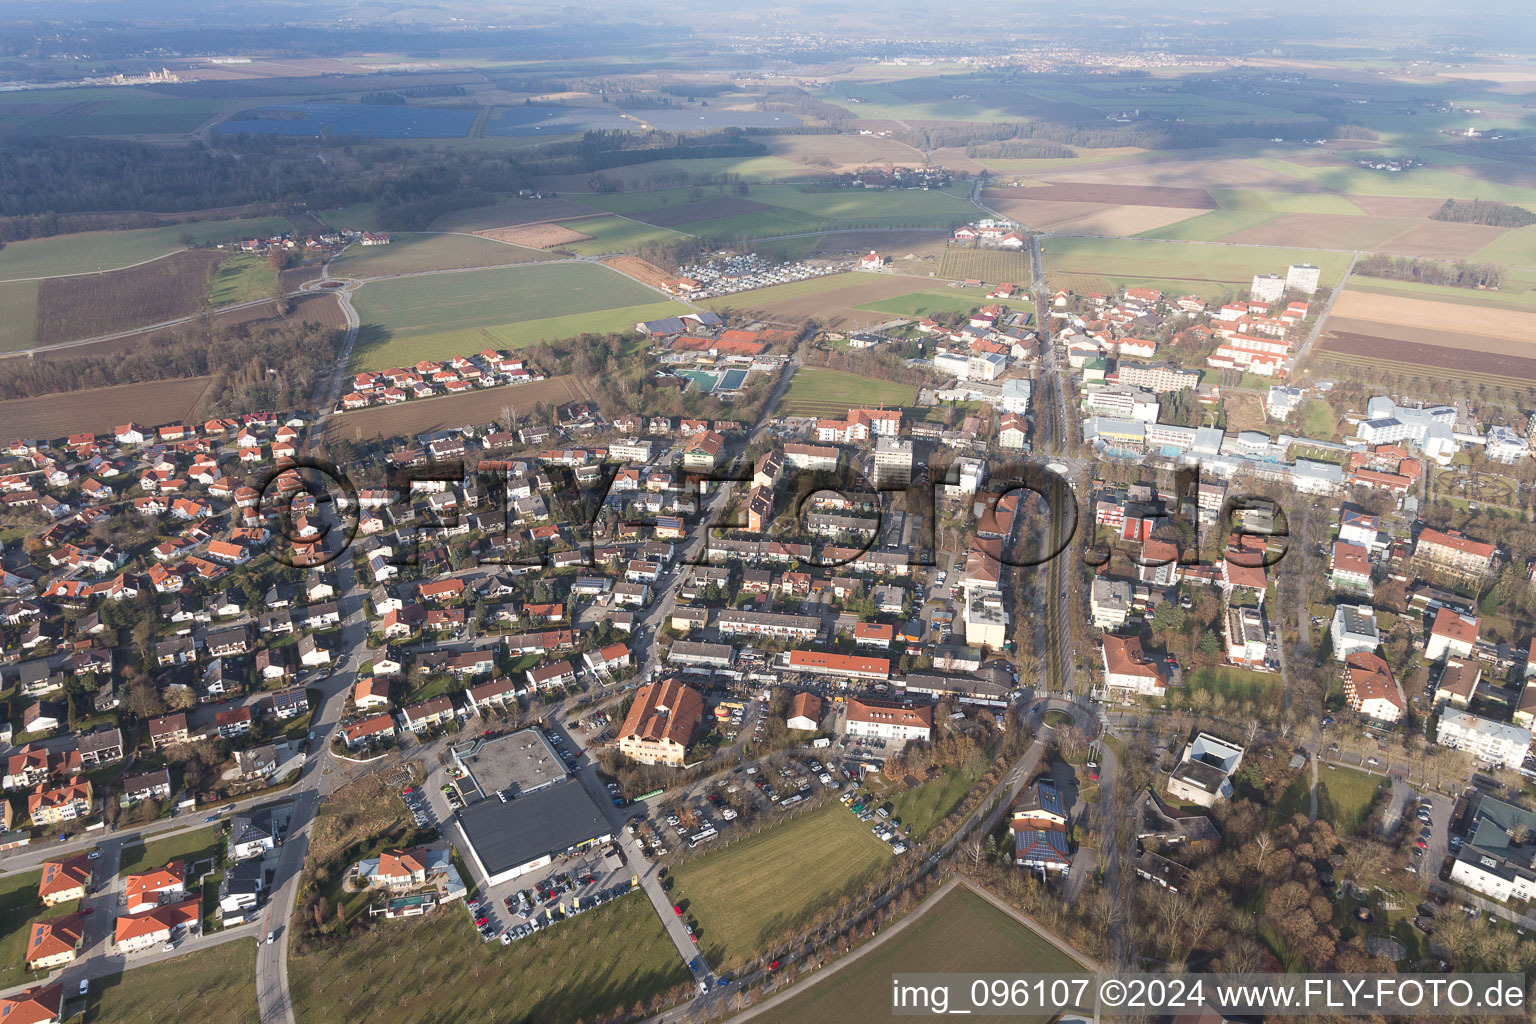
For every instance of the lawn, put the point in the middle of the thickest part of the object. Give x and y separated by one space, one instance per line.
616 234
487 298
94 251
19 908
1344 797
213 986
241 278
1318 419
1234 683
404 351
928 303
758 890
821 391
924 806
963 933
18 314
411 253
604 960
201 844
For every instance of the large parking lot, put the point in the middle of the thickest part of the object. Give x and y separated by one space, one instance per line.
542 899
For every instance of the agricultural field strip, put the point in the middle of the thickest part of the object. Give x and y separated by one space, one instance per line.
93 273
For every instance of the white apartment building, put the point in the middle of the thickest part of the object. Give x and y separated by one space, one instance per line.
1353 629
1497 743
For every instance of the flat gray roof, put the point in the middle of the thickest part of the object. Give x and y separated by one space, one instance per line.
550 821
516 764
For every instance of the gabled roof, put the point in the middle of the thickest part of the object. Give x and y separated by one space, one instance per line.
64 875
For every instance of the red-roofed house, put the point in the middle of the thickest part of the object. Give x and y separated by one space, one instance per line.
1127 667
1370 689
1452 634
147 891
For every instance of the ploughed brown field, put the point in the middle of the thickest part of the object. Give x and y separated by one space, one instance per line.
535 236
1120 195
692 213
1455 359
92 304
426 414
639 269
1435 316
321 307
98 410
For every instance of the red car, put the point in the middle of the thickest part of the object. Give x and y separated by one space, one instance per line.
773 966
87 910
1421 844
408 790
677 910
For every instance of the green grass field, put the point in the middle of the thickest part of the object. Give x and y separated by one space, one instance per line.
19 908
124 111
1516 248
369 355
605 960
962 933
212 986
411 253
94 251
18 314
359 216
1181 261
1517 290
189 846
798 209
1421 182
750 893
819 392
950 300
241 278
926 805
485 298
1285 202
1344 797
994 266
1318 419
1234 683
1207 227
616 234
